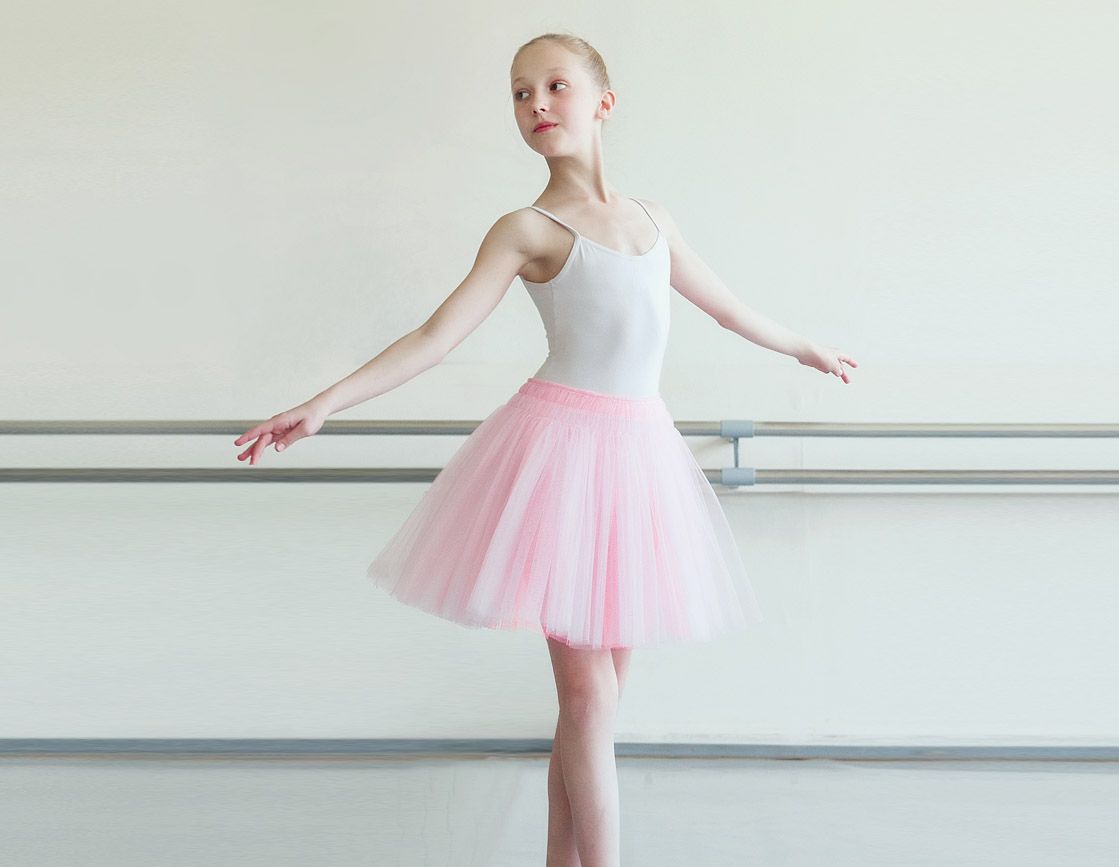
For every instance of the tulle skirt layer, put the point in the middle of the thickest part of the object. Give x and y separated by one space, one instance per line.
576 514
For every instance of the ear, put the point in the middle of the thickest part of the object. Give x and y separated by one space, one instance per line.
606 104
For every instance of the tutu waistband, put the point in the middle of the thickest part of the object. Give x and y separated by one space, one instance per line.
568 398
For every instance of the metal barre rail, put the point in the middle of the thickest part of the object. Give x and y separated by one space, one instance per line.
732 429
729 428
728 476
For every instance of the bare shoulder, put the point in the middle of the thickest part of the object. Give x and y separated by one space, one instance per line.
513 242
512 230
661 215
541 246
521 233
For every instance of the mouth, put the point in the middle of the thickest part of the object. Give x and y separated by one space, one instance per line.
540 127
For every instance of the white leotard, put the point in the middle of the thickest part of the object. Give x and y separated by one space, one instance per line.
606 316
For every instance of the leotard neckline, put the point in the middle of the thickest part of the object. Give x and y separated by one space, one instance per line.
580 237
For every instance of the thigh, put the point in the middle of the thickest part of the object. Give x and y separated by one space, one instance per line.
584 676
621 664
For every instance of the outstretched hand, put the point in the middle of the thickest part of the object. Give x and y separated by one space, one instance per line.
827 359
283 429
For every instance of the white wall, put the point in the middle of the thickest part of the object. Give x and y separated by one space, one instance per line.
215 210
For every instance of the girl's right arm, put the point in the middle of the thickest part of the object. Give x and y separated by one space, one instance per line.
504 251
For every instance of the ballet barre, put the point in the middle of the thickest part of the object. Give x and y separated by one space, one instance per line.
731 429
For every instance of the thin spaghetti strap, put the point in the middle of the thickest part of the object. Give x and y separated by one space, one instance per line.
646 210
554 217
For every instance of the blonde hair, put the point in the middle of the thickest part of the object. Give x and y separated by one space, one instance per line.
592 60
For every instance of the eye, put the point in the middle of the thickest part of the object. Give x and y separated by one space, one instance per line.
517 94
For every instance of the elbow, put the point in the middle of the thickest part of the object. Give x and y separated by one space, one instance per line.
734 317
436 345
726 319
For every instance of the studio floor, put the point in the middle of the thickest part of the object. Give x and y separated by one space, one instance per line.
492 812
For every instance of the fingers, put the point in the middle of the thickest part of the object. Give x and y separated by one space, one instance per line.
839 371
266 437
253 432
253 452
259 447
279 423
246 453
264 433
290 435
265 427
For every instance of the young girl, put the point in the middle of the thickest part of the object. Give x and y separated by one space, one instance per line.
575 509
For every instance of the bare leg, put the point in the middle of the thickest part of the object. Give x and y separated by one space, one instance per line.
588 683
621 665
562 851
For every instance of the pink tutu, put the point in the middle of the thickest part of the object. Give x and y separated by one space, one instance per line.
576 514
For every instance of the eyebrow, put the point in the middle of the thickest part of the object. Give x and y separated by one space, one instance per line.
553 69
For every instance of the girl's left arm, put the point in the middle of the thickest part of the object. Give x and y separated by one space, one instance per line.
695 280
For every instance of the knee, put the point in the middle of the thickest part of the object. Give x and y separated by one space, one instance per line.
593 700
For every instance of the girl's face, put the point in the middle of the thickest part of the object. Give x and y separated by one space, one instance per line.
555 102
